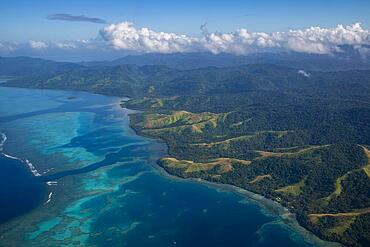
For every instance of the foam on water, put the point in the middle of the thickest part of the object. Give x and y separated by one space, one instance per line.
3 140
32 168
47 171
11 157
124 199
51 183
49 198
27 162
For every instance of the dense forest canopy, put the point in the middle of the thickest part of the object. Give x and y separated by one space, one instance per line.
295 134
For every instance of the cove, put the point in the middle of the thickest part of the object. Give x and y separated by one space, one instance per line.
98 183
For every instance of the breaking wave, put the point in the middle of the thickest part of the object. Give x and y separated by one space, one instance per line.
3 140
26 162
49 198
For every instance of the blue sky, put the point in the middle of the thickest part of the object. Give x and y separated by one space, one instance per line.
29 27
23 20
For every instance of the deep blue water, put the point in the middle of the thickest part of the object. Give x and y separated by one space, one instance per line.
20 191
119 197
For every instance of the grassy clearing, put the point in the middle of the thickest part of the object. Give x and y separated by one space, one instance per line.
155 123
294 189
367 166
224 143
338 182
222 164
338 188
344 214
260 178
267 154
343 225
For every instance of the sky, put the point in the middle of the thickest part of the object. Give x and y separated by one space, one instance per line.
37 27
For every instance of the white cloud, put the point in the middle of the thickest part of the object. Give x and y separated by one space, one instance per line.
65 45
8 46
239 42
363 50
304 73
314 40
325 40
125 36
37 44
83 44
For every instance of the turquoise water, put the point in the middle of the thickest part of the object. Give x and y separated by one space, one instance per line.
97 184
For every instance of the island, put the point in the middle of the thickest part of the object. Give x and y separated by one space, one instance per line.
301 139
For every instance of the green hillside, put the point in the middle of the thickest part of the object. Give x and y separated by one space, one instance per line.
301 140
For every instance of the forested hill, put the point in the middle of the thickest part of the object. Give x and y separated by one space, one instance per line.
296 136
27 66
300 138
347 59
160 81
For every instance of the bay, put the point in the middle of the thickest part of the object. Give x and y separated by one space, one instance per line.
93 182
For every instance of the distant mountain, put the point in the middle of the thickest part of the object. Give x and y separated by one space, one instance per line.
347 60
162 81
297 136
27 66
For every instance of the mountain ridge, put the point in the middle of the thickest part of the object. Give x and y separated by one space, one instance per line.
298 137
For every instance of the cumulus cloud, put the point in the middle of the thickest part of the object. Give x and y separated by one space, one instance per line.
8 46
68 17
125 36
78 44
37 44
40 47
65 45
325 40
313 40
364 50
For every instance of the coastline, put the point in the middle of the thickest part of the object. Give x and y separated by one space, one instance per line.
267 205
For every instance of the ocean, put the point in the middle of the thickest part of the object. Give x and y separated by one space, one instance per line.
73 173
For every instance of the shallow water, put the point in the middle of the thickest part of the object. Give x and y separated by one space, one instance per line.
99 185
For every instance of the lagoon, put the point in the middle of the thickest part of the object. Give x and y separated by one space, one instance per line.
78 175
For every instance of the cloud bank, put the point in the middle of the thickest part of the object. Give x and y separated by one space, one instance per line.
314 40
68 17
37 44
125 38
8 46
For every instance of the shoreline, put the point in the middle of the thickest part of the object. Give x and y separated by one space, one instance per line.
268 206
